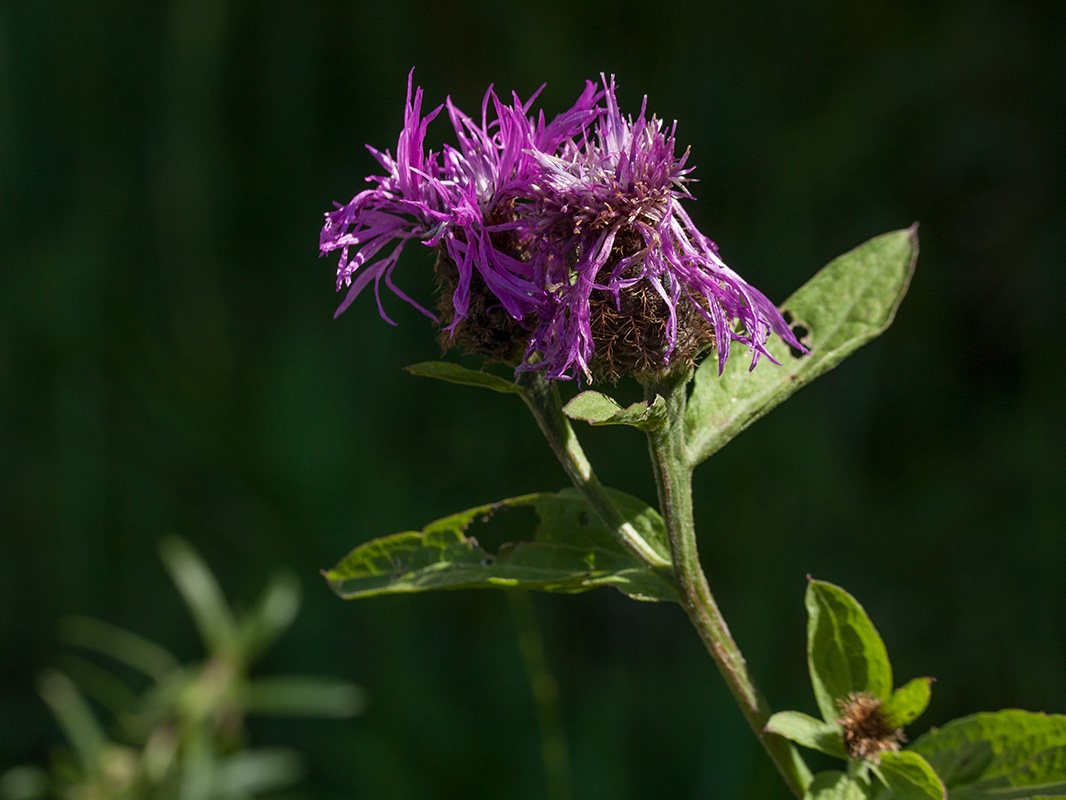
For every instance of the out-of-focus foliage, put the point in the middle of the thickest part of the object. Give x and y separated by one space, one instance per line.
183 735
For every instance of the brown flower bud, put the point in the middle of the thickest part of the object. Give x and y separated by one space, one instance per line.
867 731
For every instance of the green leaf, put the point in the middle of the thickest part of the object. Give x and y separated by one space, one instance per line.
253 772
303 696
998 750
850 301
844 651
75 717
809 732
201 593
100 685
908 776
271 616
1043 775
26 782
596 408
121 645
453 373
834 785
571 551
908 702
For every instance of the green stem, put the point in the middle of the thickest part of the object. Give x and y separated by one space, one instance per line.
673 474
543 400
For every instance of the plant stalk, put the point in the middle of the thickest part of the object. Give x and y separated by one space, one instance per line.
673 475
542 398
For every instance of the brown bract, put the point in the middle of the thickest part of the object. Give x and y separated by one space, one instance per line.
631 333
487 329
867 732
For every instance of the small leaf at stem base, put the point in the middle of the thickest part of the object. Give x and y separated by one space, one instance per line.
596 408
454 373
809 732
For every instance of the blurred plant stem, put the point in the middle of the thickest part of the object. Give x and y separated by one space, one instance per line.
545 691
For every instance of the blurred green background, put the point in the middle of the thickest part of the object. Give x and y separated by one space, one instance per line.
169 364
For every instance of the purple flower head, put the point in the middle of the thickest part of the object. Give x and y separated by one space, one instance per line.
632 283
562 245
460 201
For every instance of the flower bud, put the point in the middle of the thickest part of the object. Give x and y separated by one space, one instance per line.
867 731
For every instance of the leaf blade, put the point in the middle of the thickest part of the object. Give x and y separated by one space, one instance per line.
597 409
983 747
845 653
809 732
908 776
570 552
908 702
202 595
834 785
849 302
454 373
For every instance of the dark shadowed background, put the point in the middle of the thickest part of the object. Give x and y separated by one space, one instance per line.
169 364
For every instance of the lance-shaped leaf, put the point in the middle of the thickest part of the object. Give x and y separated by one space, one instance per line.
1006 754
202 595
850 301
454 373
75 716
809 732
596 408
845 653
302 695
908 702
570 551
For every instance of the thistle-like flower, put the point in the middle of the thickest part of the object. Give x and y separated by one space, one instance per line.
634 286
562 247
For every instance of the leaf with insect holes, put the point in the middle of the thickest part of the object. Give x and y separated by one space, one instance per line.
570 551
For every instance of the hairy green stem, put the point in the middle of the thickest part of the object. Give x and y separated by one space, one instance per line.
543 400
673 474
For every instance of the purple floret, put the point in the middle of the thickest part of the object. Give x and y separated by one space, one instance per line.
456 200
626 181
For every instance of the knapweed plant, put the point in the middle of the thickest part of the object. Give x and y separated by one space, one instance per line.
564 251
